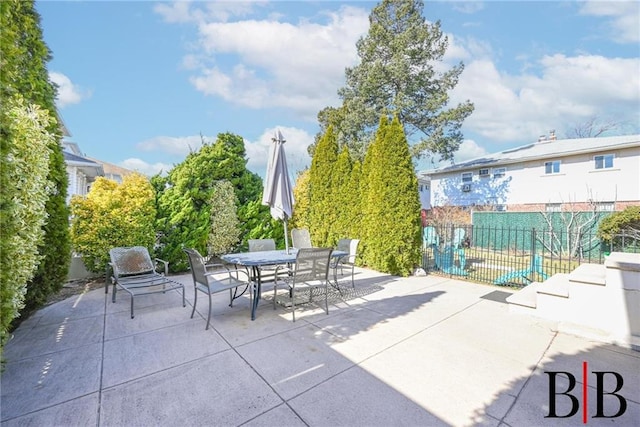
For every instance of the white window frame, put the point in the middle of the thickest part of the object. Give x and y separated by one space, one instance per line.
553 164
499 172
603 161
553 207
484 172
605 206
467 177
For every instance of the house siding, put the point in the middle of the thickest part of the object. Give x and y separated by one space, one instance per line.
526 187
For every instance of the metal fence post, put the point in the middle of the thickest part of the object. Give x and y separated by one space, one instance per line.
533 249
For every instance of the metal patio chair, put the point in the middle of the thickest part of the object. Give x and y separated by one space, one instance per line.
213 278
300 238
348 261
311 271
133 271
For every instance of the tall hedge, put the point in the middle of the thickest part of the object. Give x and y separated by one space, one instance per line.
113 215
185 195
322 203
24 71
24 165
301 193
391 221
342 196
23 65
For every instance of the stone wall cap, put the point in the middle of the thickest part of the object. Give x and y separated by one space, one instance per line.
623 261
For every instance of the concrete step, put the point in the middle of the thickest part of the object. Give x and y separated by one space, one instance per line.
526 297
592 274
556 285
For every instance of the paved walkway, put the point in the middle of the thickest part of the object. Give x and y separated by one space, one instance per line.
418 351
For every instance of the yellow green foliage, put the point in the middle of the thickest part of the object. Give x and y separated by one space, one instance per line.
112 215
24 166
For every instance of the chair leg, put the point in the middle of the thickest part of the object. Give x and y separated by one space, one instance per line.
353 283
275 293
293 302
209 315
326 297
195 302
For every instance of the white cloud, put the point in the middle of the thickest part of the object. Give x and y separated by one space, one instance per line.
267 63
179 146
296 146
183 12
564 92
68 93
257 151
469 150
625 18
144 167
468 7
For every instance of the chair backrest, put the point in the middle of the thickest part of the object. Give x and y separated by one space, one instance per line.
198 266
131 261
350 246
258 245
430 236
312 264
458 237
300 238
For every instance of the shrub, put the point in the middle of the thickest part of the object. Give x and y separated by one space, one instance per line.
623 222
24 166
112 215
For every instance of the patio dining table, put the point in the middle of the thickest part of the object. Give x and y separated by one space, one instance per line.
254 261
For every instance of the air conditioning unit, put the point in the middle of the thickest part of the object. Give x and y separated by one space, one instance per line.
466 188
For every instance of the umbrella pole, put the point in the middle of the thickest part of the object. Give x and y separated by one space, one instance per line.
286 237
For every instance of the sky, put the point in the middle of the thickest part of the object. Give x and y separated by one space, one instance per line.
142 83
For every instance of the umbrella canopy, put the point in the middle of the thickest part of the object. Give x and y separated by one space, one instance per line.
278 192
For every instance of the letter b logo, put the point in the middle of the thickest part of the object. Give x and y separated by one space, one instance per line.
566 396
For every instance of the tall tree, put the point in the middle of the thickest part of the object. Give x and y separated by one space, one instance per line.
23 63
225 227
343 196
322 204
302 195
185 195
400 73
392 223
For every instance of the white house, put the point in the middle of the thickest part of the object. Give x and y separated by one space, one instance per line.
424 191
80 170
548 175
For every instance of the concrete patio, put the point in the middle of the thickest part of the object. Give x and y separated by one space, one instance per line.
417 351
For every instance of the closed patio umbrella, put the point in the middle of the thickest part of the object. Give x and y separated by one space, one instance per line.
278 192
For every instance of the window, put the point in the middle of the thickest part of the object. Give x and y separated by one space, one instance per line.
552 167
604 162
467 177
499 172
553 207
483 172
605 206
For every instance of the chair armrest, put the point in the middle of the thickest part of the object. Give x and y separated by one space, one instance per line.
166 265
230 273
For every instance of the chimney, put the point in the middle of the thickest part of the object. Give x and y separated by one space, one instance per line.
552 135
